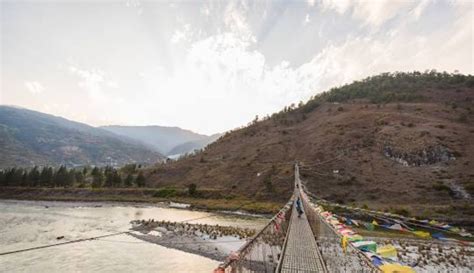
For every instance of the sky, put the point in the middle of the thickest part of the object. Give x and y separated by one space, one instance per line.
212 66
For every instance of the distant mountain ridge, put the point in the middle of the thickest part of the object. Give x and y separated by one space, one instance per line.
194 145
30 138
166 140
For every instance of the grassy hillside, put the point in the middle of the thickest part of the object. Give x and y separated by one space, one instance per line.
398 141
29 138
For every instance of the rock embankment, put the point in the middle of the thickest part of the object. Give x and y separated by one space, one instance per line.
212 241
426 156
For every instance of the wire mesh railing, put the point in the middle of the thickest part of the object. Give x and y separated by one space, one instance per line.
336 257
263 252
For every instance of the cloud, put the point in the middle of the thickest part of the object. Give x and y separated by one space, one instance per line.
135 4
226 62
226 74
373 13
34 87
420 8
205 11
306 19
91 80
340 6
311 2
113 84
235 20
400 50
183 34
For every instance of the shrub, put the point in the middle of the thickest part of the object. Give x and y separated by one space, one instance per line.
462 118
165 193
402 211
192 189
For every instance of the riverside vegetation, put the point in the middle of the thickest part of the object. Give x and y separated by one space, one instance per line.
125 184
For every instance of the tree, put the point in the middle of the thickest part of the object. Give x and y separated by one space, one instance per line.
79 177
24 179
109 179
17 177
61 177
46 177
255 119
140 180
268 183
97 179
2 178
192 189
116 179
34 177
128 181
13 177
70 178
95 171
129 169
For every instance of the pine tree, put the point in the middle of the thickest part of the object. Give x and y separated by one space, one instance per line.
109 179
97 179
61 177
95 171
79 177
24 178
34 177
70 178
140 180
117 179
46 177
2 178
128 181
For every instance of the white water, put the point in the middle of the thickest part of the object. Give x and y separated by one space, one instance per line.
25 224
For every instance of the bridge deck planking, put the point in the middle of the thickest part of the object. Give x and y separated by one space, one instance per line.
301 253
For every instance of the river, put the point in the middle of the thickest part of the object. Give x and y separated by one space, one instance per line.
26 224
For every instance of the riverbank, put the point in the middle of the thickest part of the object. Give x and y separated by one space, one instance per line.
211 241
138 195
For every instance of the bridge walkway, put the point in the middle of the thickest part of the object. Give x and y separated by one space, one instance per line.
301 252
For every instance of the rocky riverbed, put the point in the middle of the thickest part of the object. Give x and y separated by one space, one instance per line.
212 241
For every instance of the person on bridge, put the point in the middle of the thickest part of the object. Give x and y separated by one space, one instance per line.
299 207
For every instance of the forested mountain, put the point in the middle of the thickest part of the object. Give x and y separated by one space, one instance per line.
29 138
166 140
396 141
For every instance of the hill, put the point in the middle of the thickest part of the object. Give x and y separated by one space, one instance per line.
191 146
399 142
30 138
166 140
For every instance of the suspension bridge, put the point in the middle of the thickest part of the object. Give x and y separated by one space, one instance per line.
290 243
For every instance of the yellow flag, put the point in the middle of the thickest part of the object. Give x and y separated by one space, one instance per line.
344 243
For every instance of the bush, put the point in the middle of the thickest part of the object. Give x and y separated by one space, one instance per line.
441 187
165 193
402 211
462 118
192 189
